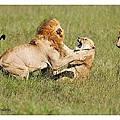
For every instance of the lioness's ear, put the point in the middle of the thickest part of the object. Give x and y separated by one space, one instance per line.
119 32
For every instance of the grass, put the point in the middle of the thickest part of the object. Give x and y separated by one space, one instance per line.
99 94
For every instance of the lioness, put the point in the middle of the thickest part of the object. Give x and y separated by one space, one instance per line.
78 69
45 48
118 42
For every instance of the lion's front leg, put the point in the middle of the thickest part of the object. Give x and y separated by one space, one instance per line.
59 62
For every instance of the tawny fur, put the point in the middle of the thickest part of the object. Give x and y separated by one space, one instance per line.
45 48
118 42
78 69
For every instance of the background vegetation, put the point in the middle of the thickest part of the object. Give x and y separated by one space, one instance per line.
99 94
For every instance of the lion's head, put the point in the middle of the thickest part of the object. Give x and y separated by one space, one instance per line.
52 31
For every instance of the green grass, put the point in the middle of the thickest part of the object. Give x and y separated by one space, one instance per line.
99 94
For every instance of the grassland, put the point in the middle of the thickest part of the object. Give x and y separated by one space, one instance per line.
99 94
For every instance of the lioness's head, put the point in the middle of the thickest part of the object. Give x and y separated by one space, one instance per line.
51 29
118 42
84 44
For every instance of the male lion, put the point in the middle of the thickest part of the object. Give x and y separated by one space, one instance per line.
46 48
80 69
118 42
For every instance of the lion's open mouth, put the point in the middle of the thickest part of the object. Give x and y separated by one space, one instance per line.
58 31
